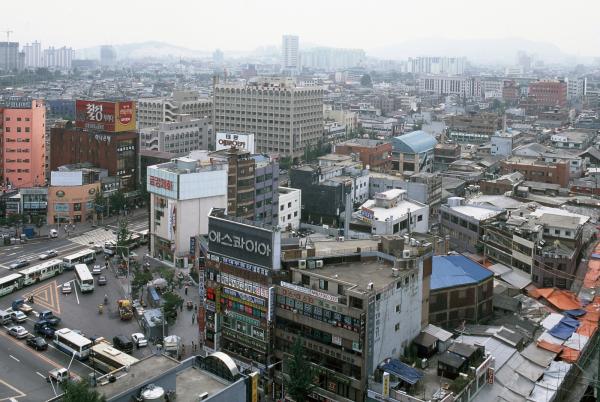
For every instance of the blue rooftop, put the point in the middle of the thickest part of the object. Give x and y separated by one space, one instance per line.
414 142
449 271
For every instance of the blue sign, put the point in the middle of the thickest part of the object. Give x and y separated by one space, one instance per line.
193 245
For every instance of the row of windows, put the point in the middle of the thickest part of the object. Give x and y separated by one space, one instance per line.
19 129
19 119
319 313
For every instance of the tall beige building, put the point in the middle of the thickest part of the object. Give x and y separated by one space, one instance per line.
153 111
284 118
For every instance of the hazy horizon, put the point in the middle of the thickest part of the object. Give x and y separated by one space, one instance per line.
240 26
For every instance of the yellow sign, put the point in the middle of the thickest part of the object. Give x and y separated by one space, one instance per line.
386 385
254 386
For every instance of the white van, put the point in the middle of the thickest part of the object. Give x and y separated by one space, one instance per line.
5 317
53 233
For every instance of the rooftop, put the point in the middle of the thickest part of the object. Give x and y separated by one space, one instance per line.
456 270
362 142
414 142
477 212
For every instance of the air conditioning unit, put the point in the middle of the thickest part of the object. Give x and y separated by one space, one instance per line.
302 264
319 263
341 238
295 311
395 272
203 396
405 253
370 286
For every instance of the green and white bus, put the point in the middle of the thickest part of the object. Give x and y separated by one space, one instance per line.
85 256
84 278
10 283
41 271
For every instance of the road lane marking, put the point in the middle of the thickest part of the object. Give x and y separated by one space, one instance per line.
12 253
75 289
14 358
19 393
40 374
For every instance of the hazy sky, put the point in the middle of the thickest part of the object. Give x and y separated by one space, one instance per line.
572 25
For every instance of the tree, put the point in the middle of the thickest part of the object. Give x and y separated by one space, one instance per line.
140 279
117 201
80 391
172 301
300 373
99 203
123 238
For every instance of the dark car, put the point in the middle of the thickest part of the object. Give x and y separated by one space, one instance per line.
123 343
37 342
44 328
101 280
19 264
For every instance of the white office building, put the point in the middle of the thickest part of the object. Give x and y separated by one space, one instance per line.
152 111
178 137
290 59
182 193
290 200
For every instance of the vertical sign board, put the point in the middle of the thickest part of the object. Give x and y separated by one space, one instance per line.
192 245
490 375
271 310
253 386
385 393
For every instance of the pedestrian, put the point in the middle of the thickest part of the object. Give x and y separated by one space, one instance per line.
185 290
195 308
193 318
193 346
181 307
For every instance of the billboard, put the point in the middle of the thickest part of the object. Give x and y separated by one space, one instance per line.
240 141
113 117
244 241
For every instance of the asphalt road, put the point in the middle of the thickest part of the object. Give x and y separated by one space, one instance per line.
22 369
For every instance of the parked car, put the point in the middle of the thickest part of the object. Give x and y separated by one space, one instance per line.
139 340
18 332
97 270
37 342
19 264
67 288
18 316
48 254
101 280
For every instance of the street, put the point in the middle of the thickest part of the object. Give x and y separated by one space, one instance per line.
23 370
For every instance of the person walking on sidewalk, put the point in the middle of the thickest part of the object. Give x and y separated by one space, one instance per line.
185 289
193 318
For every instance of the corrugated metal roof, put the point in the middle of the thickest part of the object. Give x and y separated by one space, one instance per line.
456 270
414 142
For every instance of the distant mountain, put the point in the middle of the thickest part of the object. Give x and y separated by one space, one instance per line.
501 50
152 49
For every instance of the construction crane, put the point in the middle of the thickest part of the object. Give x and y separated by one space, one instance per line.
8 32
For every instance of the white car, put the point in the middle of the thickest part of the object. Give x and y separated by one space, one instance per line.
139 340
97 270
18 332
18 316
67 288
48 254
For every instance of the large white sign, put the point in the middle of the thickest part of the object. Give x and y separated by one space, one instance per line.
311 292
240 141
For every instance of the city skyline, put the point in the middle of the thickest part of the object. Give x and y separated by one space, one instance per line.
400 23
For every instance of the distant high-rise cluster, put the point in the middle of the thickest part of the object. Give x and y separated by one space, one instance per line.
437 65
330 58
290 59
108 56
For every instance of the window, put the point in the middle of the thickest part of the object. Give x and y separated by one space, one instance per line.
397 308
289 204
18 129
556 231
305 280
397 327
419 218
323 284
295 214
7 129
18 119
281 207
27 129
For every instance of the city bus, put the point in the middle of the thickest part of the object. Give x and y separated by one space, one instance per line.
84 278
108 359
42 271
85 256
72 343
10 283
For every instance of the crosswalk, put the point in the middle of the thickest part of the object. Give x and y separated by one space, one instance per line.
101 235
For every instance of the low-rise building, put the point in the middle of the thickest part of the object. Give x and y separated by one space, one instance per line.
534 169
504 184
461 291
179 137
413 152
374 154
290 200
390 212
444 155
464 223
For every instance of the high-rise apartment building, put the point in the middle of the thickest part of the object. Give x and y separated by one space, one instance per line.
284 118
58 58
23 142
290 60
108 56
10 57
437 65
331 58
33 55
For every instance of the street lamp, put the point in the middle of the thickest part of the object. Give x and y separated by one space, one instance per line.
271 366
